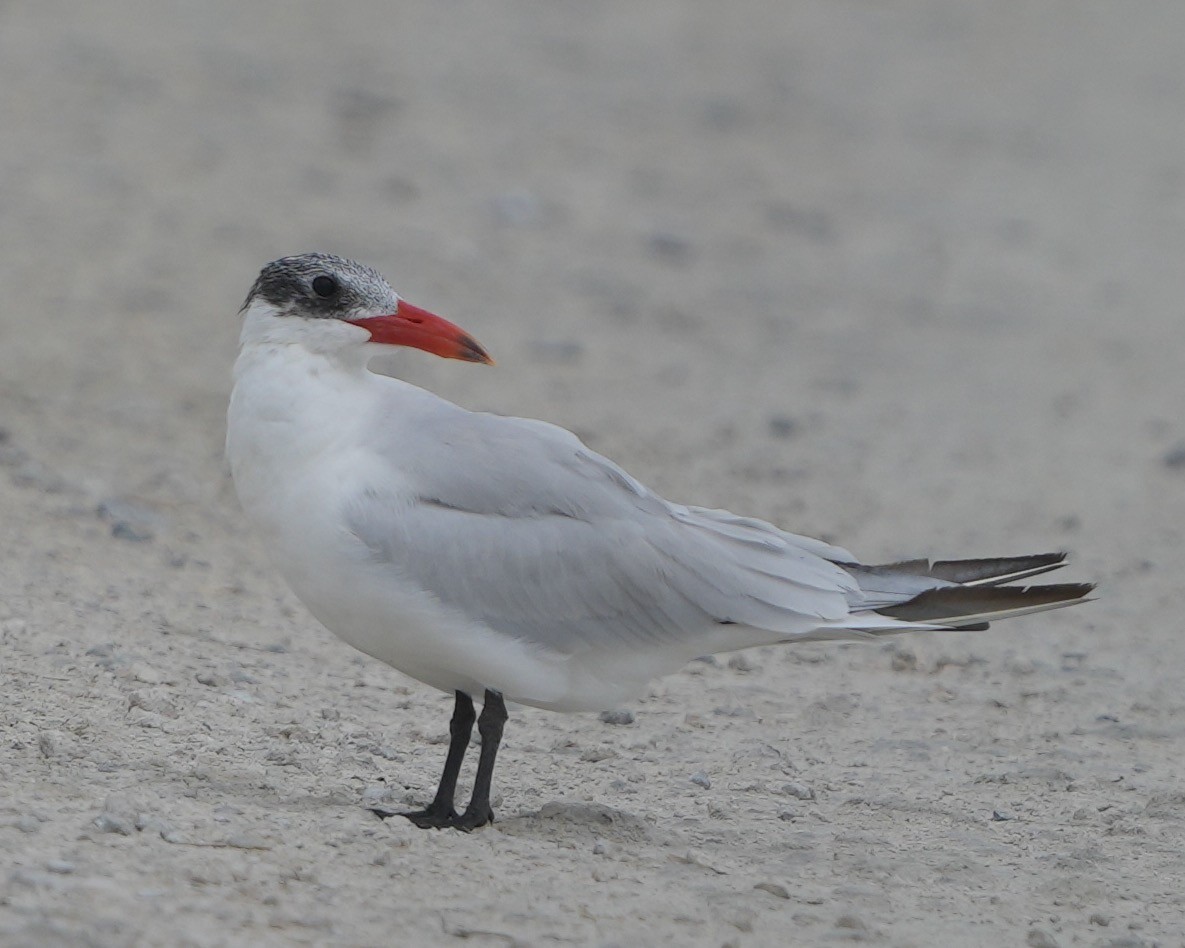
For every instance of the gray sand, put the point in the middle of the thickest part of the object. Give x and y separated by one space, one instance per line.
907 276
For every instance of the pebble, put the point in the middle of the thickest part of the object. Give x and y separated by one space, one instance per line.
851 922
782 426
1039 938
212 679
60 867
115 823
377 794
147 823
621 716
27 824
601 848
670 247
129 520
49 743
1002 816
799 790
118 816
774 889
701 779
1174 458
145 673
153 704
1098 918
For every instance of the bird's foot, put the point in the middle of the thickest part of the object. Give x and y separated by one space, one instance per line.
472 818
440 818
431 817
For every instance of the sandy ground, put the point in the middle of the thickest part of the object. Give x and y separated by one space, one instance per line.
907 276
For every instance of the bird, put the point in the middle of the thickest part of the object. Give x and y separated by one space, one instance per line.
500 559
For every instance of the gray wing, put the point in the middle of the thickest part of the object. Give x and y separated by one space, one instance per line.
520 526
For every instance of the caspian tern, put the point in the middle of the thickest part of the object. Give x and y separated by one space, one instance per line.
499 558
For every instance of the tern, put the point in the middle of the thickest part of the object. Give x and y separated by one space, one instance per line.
500 559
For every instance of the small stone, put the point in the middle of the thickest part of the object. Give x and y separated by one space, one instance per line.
115 823
129 520
60 867
153 704
799 790
1002 816
212 679
1039 938
742 921
122 530
145 673
701 779
378 794
782 426
49 743
670 247
773 888
621 716
27 824
788 815
148 823
1098 918
742 663
601 848
1174 458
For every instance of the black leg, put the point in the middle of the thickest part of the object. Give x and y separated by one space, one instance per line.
440 812
489 726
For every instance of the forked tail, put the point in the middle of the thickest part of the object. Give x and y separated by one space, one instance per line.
960 594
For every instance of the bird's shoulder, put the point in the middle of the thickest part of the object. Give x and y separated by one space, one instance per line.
501 464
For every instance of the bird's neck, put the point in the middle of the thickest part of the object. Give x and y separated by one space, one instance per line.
290 404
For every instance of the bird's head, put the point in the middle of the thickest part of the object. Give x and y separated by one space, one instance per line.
330 303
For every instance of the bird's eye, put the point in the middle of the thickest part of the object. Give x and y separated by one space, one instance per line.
325 286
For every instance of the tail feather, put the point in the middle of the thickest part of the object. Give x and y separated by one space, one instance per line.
977 572
972 607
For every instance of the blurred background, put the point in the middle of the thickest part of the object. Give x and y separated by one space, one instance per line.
907 276
800 220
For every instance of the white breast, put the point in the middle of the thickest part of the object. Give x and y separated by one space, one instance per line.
298 429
